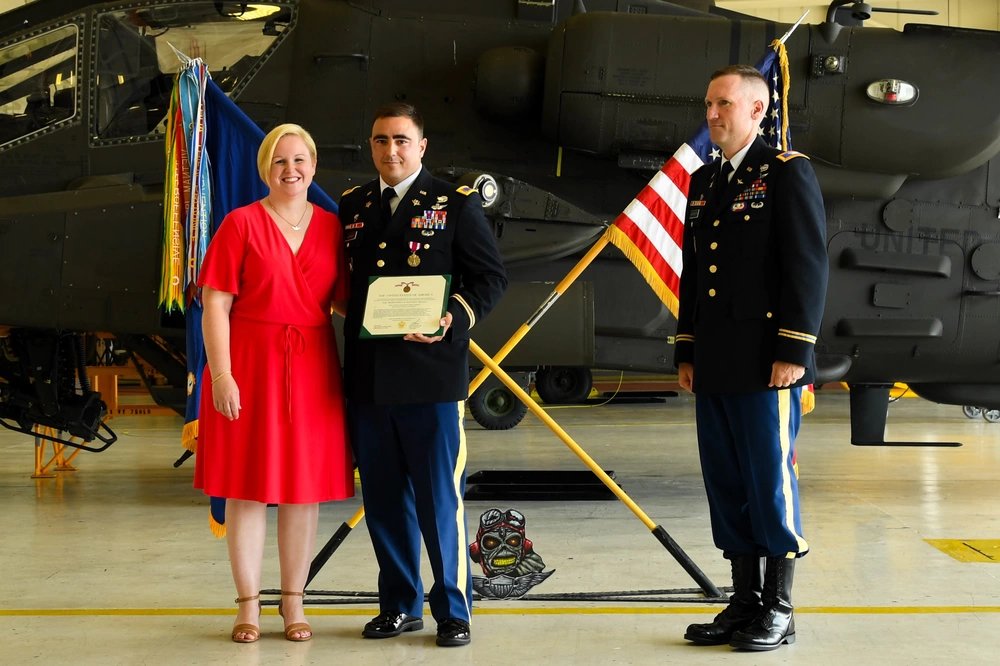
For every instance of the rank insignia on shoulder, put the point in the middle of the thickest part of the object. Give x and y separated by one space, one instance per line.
790 155
348 191
465 189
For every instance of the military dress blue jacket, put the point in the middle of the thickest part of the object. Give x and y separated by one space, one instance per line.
446 228
753 286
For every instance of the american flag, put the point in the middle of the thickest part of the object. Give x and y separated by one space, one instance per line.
651 228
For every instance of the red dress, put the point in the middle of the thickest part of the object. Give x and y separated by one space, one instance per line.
289 444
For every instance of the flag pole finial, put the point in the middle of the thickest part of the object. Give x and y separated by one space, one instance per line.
794 26
185 60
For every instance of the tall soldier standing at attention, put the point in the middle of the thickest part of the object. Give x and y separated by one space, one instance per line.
405 395
751 301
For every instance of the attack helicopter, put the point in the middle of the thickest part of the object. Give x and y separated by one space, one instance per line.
558 112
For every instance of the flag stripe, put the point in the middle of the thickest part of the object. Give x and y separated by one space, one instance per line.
652 225
657 243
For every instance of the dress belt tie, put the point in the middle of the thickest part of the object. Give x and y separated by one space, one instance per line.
295 344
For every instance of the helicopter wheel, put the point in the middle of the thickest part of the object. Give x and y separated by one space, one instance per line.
495 407
992 415
563 384
972 412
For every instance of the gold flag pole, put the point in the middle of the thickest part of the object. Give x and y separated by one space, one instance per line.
334 542
558 291
661 535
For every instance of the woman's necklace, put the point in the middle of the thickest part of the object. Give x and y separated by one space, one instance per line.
295 227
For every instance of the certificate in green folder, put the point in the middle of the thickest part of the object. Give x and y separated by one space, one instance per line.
399 305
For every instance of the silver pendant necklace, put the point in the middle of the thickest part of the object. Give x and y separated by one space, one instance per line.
295 227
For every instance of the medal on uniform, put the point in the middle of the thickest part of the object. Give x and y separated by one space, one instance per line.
413 260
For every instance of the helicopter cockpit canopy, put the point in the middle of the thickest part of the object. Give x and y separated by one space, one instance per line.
137 56
38 82
135 60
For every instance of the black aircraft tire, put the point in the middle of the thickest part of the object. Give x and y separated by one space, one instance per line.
563 384
495 407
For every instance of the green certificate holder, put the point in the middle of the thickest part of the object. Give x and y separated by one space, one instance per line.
399 305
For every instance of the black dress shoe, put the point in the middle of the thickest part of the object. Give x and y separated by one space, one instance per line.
387 625
453 633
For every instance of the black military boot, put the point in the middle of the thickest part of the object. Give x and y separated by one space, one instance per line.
743 606
776 624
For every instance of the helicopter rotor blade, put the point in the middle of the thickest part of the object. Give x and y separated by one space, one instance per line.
892 10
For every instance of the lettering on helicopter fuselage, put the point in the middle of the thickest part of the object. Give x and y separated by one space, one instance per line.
926 240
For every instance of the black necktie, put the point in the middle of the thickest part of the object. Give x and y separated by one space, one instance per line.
722 180
727 168
388 194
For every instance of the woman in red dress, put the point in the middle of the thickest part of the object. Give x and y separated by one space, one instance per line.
271 424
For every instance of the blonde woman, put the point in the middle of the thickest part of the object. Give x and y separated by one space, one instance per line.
271 425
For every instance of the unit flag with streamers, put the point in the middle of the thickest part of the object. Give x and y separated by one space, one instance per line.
211 170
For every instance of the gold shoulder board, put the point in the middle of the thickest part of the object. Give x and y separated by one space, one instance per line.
790 155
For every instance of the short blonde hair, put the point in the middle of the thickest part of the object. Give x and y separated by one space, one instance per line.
266 152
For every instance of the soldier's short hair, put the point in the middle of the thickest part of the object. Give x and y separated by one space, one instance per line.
401 110
748 73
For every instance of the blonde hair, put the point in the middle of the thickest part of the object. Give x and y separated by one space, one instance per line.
266 152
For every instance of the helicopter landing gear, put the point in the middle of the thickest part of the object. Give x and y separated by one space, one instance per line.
972 412
990 415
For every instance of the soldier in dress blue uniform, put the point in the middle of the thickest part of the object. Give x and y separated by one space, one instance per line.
405 396
751 301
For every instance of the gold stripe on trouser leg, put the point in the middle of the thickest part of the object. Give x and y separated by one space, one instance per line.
463 546
784 417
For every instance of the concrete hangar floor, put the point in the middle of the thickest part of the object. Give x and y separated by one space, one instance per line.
114 563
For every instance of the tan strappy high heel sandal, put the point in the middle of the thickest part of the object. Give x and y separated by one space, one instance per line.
297 627
251 632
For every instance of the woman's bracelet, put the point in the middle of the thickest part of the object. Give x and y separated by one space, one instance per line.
216 378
